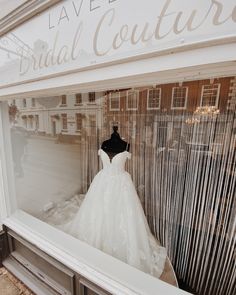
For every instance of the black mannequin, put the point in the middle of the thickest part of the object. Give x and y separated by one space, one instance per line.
115 144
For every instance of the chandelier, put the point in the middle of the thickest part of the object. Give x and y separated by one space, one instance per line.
202 111
207 110
192 121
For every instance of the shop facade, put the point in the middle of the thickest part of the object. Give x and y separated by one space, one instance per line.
166 77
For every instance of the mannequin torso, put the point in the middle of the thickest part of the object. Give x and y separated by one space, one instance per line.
115 144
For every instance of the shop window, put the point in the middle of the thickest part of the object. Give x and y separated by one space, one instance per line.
64 121
91 97
63 100
210 95
182 167
78 98
24 103
154 99
132 97
33 102
179 97
79 122
114 99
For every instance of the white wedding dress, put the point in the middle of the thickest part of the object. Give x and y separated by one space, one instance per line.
111 218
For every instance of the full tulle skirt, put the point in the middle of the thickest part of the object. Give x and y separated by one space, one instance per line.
111 219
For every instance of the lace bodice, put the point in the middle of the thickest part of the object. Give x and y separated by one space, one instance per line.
117 163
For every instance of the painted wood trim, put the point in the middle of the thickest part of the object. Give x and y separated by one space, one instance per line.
3 199
184 66
103 270
32 282
23 13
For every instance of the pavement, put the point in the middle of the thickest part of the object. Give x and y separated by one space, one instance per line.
10 285
50 173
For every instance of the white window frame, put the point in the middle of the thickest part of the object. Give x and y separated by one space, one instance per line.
153 108
58 244
110 98
217 96
127 104
186 98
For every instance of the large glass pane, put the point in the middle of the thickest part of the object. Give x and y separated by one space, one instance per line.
182 166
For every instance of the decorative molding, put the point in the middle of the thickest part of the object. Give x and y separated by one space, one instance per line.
23 13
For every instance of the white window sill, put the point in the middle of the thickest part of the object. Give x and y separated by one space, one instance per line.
104 270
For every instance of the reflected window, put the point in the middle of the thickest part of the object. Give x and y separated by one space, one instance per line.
24 103
154 99
24 121
33 102
114 101
64 121
78 98
210 95
179 97
79 121
132 99
30 121
91 97
92 120
63 100
36 122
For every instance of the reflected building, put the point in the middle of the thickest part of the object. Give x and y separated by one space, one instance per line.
161 115
175 113
69 118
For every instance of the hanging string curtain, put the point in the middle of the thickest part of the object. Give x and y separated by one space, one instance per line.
183 167
193 193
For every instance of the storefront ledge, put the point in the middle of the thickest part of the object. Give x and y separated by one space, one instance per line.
103 270
188 65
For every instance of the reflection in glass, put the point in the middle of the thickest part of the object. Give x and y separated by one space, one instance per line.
183 166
